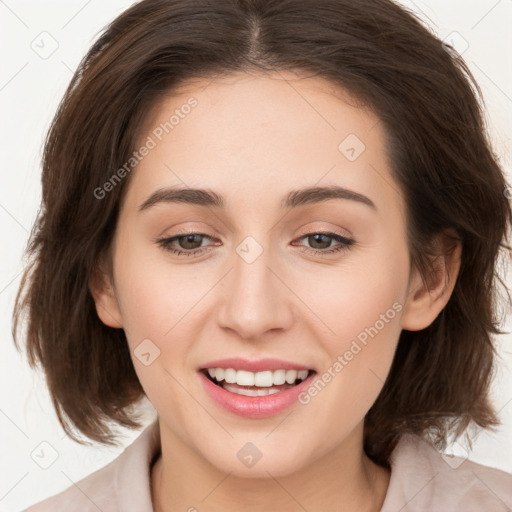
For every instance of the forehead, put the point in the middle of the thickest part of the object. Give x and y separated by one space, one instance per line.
254 135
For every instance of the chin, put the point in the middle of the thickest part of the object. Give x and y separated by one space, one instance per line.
244 458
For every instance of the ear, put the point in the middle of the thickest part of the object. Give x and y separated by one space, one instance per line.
425 300
103 292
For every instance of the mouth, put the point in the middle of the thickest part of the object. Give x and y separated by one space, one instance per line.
255 389
256 384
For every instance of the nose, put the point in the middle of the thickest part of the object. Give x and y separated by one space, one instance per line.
255 296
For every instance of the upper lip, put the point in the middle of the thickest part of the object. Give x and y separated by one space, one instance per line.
254 366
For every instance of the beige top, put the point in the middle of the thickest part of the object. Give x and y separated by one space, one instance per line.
421 480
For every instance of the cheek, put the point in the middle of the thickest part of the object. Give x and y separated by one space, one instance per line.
156 296
160 304
156 305
359 360
359 301
363 311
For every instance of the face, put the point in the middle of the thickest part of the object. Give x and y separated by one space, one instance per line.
277 277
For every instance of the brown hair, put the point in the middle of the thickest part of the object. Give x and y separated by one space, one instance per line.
441 159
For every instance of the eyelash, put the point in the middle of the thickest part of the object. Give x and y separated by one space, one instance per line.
345 242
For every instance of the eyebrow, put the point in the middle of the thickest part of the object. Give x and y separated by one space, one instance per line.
295 198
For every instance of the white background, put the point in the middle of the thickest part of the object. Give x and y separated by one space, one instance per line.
30 88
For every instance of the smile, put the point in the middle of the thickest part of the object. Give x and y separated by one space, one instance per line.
267 382
256 389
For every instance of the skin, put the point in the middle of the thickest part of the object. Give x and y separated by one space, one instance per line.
253 138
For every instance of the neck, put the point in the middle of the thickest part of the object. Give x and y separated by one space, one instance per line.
346 475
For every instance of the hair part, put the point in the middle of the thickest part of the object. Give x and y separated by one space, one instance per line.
440 156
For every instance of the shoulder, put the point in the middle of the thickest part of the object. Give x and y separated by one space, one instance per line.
422 479
122 485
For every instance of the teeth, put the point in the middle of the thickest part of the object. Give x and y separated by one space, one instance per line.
251 392
265 379
230 375
302 374
219 374
243 378
279 377
291 376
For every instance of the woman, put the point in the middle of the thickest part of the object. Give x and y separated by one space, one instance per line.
279 221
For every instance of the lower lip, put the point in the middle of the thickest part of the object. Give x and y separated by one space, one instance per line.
254 406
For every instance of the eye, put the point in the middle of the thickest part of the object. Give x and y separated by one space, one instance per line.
190 244
322 239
